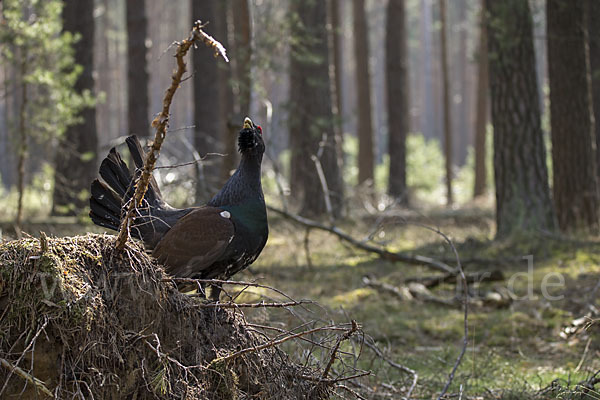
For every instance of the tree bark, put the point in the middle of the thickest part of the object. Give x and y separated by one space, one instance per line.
427 106
227 133
522 194
242 35
336 48
137 68
207 107
594 47
446 105
571 117
397 98
311 116
481 116
366 160
76 161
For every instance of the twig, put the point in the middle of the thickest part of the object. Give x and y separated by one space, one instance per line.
262 304
385 254
332 356
273 343
161 123
397 366
28 377
336 380
466 312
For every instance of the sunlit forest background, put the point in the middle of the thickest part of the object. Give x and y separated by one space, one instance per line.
399 123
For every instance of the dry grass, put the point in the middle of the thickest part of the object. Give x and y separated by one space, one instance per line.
90 323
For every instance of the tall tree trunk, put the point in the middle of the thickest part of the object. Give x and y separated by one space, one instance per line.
481 116
571 119
366 159
446 105
336 48
76 161
594 46
241 80
227 133
427 107
23 142
207 122
522 193
311 118
137 68
397 98
242 37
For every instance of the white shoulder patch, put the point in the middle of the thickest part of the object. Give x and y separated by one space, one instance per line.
225 214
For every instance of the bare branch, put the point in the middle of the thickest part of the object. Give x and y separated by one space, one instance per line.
383 253
28 377
161 123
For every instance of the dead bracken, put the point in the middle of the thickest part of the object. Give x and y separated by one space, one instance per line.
79 320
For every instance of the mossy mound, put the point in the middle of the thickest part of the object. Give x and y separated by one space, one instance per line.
88 322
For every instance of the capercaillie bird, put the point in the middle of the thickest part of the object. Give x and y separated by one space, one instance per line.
213 241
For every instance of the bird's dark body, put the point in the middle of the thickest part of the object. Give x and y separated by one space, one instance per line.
212 241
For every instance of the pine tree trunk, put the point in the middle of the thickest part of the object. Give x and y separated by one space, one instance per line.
76 160
366 160
571 119
137 68
311 116
446 106
397 98
227 133
481 116
242 35
522 194
207 122
594 46
336 48
427 106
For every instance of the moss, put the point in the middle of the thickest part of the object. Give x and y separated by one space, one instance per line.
121 330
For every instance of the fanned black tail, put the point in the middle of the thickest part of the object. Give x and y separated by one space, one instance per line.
108 197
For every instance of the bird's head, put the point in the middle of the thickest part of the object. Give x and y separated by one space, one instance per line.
250 139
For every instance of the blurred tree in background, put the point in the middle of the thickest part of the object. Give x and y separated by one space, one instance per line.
397 98
311 117
522 191
138 78
77 155
40 56
575 185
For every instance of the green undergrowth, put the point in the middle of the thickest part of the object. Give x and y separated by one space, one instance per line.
534 346
516 350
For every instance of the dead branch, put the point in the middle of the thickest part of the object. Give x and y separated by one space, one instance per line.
475 277
410 292
274 343
224 282
161 123
383 253
335 380
262 304
332 356
28 377
394 364
465 301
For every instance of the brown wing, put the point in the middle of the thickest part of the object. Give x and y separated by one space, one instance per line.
195 241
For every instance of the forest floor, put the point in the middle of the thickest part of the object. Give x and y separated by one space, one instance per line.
539 343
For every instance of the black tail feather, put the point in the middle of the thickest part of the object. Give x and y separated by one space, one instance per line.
108 197
115 173
138 155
